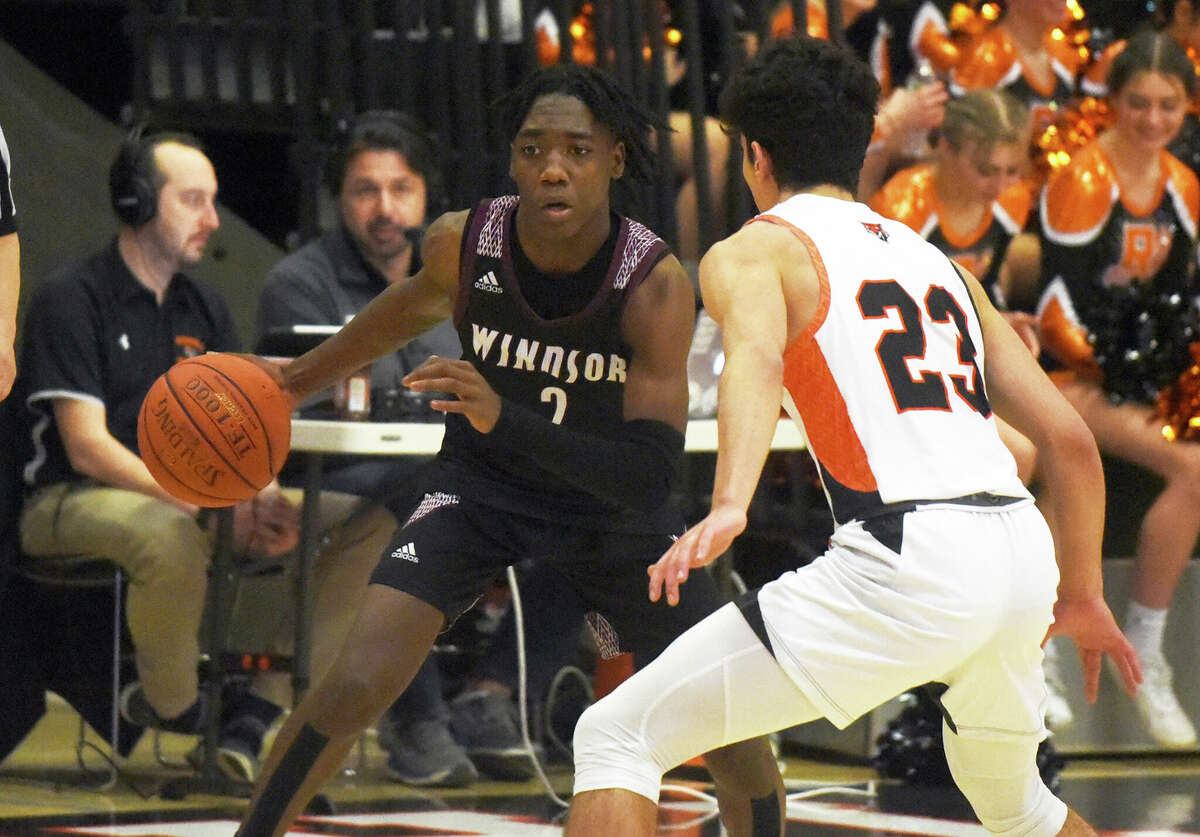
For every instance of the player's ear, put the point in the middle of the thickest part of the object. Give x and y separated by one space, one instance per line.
618 159
760 160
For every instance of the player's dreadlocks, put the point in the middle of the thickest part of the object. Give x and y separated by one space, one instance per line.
613 107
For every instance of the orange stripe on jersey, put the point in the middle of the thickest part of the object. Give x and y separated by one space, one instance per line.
818 399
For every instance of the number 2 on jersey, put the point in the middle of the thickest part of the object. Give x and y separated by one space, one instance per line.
558 395
897 346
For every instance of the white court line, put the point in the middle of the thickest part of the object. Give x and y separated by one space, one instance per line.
516 825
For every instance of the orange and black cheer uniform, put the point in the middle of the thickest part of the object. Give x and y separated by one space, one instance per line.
992 60
909 197
930 38
1094 240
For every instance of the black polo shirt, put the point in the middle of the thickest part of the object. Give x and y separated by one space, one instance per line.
94 333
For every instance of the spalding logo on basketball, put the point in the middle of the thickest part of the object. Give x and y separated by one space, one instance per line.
214 430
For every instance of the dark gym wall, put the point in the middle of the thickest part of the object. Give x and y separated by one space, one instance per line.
61 150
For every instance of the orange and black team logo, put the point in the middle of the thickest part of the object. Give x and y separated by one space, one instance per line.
876 230
186 347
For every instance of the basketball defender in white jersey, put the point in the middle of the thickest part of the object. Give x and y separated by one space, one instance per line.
891 360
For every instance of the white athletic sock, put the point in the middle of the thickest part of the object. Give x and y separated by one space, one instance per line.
1144 628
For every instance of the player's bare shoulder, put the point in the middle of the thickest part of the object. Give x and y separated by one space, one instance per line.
666 284
445 233
764 267
663 303
441 248
762 241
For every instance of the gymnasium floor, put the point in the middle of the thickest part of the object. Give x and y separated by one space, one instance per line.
1150 796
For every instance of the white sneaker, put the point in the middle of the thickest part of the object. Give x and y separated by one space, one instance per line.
1157 705
1058 709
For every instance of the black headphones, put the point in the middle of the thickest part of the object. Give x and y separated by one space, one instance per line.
131 178
393 130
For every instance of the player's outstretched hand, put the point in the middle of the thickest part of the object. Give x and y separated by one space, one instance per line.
699 546
271 367
1090 624
477 401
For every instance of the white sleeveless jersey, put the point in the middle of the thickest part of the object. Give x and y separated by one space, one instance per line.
887 381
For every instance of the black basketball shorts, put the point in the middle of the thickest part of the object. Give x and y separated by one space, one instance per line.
451 548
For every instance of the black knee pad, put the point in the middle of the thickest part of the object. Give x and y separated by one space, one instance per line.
764 816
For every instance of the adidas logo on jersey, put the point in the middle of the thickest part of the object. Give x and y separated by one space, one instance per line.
408 552
488 282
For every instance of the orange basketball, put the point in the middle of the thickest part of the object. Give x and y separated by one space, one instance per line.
214 429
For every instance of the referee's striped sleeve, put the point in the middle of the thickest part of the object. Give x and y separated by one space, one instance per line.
8 208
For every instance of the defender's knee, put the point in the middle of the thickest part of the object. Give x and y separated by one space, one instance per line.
1000 778
611 753
600 731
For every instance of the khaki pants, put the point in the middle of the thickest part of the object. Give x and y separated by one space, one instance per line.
166 556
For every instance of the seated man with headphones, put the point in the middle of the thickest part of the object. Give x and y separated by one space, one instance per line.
98 333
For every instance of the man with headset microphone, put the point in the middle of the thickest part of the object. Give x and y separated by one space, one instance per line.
385 179
98 333
384 176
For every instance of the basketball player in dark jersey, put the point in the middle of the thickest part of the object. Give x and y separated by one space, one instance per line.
564 425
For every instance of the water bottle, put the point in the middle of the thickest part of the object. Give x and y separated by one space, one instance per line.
923 74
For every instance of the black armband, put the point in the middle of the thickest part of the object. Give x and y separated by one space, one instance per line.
636 469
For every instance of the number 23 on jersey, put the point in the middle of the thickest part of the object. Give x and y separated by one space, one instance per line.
902 351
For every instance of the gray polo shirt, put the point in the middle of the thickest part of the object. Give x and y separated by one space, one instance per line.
327 282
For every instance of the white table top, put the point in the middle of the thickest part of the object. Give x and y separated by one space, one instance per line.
423 438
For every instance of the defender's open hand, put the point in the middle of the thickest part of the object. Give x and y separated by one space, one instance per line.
1091 625
699 546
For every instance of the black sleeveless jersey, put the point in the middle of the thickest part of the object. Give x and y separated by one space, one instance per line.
570 369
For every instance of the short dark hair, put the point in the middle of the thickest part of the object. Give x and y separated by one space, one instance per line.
811 104
610 104
388 130
1154 51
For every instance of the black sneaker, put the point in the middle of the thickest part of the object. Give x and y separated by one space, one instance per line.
136 709
486 725
424 754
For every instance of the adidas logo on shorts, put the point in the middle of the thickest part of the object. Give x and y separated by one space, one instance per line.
488 282
408 552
